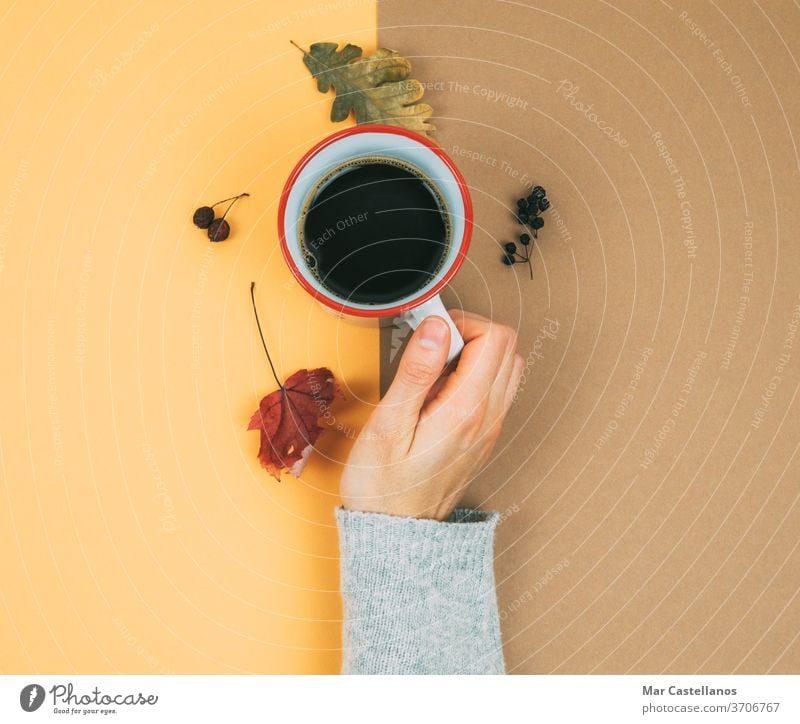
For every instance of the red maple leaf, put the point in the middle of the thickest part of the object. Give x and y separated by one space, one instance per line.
288 419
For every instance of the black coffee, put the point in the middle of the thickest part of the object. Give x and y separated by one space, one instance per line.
375 233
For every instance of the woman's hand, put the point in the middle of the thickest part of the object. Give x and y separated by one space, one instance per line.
429 436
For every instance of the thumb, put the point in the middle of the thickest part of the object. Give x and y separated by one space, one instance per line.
420 366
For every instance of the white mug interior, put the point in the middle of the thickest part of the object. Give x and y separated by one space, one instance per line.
377 143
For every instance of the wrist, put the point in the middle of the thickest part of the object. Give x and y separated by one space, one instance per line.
402 507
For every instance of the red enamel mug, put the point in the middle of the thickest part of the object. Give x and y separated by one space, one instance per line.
435 167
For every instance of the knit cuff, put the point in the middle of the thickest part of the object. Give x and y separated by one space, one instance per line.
419 594
464 539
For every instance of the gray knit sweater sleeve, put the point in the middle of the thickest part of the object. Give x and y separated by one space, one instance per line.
419 595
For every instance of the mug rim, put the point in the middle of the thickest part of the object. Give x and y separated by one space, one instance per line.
463 245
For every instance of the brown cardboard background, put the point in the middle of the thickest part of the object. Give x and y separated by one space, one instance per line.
691 563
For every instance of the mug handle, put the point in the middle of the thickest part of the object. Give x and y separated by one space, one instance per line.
413 317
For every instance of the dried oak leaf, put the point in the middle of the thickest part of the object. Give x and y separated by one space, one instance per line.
288 420
376 87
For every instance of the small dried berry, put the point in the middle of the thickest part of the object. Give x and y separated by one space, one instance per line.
527 213
219 230
203 217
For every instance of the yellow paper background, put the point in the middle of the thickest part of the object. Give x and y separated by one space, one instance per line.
137 531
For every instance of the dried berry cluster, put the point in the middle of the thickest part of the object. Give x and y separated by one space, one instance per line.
528 210
218 228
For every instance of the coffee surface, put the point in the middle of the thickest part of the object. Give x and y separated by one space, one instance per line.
375 233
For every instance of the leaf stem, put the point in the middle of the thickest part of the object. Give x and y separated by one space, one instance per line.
305 52
261 334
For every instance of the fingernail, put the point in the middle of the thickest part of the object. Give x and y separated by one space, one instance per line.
433 333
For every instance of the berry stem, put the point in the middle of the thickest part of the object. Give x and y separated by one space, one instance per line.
527 256
230 205
261 334
232 197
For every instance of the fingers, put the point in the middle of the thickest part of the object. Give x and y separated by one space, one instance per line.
420 366
504 373
473 326
485 362
487 357
514 383
496 408
470 325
